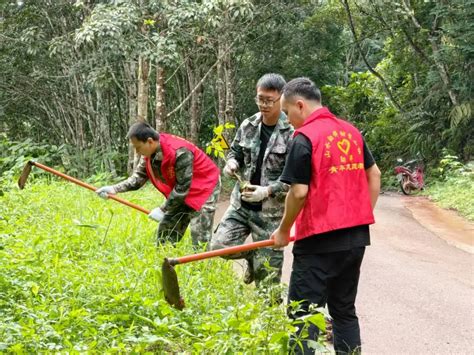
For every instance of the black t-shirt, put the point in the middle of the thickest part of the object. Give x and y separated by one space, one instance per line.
298 171
265 134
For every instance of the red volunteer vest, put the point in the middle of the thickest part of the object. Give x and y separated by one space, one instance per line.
205 172
338 195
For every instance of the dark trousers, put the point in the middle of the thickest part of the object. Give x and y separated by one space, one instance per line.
332 279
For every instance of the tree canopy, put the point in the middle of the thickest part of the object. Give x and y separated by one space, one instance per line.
75 74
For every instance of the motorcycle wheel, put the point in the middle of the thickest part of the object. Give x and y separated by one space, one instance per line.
404 185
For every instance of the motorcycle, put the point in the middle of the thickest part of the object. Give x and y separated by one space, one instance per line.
410 176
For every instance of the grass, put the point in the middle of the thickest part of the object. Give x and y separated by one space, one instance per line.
81 274
455 192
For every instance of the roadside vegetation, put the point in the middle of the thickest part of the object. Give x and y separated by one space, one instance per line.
453 186
80 273
83 274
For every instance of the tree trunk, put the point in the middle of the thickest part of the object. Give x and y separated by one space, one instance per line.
194 109
364 58
142 97
221 87
442 69
433 39
104 135
443 72
229 89
160 107
130 76
143 87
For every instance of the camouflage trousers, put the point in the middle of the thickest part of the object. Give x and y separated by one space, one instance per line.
174 224
234 228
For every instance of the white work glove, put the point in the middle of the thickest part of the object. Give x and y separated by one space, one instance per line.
231 167
255 193
156 214
105 191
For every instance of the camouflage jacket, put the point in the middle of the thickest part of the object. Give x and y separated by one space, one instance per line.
183 171
245 149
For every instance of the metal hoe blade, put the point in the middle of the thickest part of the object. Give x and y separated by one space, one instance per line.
170 284
24 175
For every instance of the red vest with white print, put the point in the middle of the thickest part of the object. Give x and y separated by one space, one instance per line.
205 172
338 195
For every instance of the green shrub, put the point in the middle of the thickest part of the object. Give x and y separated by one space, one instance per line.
81 164
454 185
14 156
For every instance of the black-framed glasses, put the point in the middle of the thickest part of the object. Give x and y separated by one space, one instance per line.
266 102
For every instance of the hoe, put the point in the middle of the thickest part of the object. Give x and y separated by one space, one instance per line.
170 278
27 170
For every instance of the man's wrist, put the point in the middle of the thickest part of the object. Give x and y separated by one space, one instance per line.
269 191
285 229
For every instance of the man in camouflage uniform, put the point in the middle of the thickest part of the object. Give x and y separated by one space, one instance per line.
258 154
187 163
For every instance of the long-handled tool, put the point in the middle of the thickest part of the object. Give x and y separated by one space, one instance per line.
27 170
170 278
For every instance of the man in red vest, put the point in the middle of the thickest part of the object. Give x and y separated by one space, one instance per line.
335 184
187 177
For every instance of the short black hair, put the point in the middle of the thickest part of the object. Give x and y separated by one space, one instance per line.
142 131
303 87
271 81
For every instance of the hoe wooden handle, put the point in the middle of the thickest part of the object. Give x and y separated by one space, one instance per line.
225 251
87 186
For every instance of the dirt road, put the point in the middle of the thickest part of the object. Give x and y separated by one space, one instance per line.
416 289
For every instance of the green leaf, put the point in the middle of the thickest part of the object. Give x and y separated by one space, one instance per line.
218 130
312 344
318 320
277 337
149 22
35 289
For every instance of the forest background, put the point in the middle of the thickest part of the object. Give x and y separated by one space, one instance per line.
75 74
